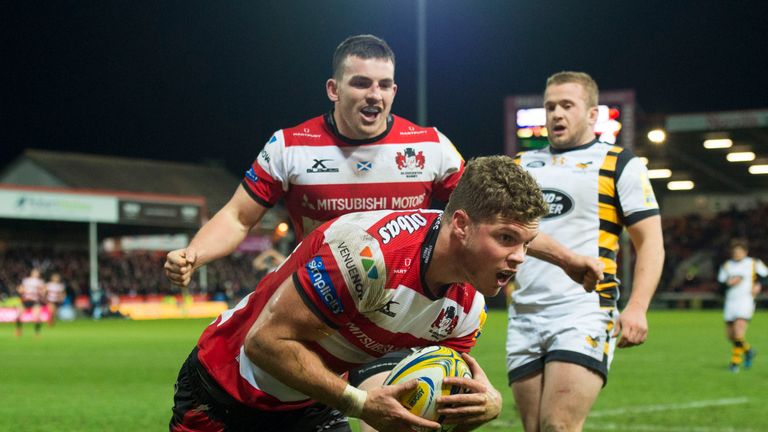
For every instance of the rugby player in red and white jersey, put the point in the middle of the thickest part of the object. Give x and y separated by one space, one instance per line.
55 292
32 292
356 288
357 157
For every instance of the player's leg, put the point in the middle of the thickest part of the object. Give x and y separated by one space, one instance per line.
189 413
525 364
740 344
569 392
19 313
579 352
36 316
527 394
736 349
52 308
373 374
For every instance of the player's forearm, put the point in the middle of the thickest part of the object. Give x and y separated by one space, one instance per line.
218 238
548 249
291 363
648 268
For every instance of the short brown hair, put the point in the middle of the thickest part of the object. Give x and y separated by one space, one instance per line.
364 46
494 186
740 243
586 81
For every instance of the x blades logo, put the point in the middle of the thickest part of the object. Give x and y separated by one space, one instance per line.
319 166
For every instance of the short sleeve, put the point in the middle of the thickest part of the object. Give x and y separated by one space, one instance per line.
761 269
266 178
635 192
347 275
722 274
451 169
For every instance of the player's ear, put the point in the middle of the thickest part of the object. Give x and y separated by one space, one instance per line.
460 224
592 115
332 89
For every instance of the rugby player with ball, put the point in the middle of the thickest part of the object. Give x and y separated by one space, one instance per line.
359 287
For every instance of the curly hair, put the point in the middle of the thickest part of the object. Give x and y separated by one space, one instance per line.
494 186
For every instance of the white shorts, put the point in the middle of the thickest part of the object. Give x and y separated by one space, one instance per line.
743 308
538 336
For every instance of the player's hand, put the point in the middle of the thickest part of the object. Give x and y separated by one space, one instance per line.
632 325
586 270
478 402
384 412
179 266
734 280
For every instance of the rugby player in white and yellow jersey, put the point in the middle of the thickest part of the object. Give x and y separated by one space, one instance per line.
560 338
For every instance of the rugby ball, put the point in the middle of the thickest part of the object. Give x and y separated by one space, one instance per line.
429 366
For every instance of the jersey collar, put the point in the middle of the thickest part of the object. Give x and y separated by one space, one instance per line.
427 250
331 123
581 147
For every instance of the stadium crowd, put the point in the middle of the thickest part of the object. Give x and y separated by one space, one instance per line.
121 274
695 246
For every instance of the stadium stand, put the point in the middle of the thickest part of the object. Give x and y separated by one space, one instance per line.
150 198
696 245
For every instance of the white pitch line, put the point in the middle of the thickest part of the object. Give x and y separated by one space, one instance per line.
502 423
661 428
668 407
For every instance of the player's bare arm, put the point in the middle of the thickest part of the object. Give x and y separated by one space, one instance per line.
480 404
217 238
276 343
587 271
648 242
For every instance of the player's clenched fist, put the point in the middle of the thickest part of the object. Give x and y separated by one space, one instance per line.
179 266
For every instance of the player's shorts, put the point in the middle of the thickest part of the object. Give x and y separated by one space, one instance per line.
536 336
739 309
384 363
29 304
199 404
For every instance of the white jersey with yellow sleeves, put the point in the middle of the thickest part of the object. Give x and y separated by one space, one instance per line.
593 191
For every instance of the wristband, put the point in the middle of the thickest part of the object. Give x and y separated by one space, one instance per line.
352 401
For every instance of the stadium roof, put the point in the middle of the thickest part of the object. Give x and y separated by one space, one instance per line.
684 154
87 171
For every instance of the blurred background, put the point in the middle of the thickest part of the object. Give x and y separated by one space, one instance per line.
124 126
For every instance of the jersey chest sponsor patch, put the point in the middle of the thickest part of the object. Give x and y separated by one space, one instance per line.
559 203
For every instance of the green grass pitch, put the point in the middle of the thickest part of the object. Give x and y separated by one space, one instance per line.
118 376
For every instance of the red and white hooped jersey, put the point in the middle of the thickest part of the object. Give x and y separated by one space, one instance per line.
362 274
323 175
32 289
55 292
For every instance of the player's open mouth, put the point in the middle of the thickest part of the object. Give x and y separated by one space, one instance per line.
371 112
558 129
504 277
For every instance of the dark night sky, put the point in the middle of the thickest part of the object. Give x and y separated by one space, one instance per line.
211 80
